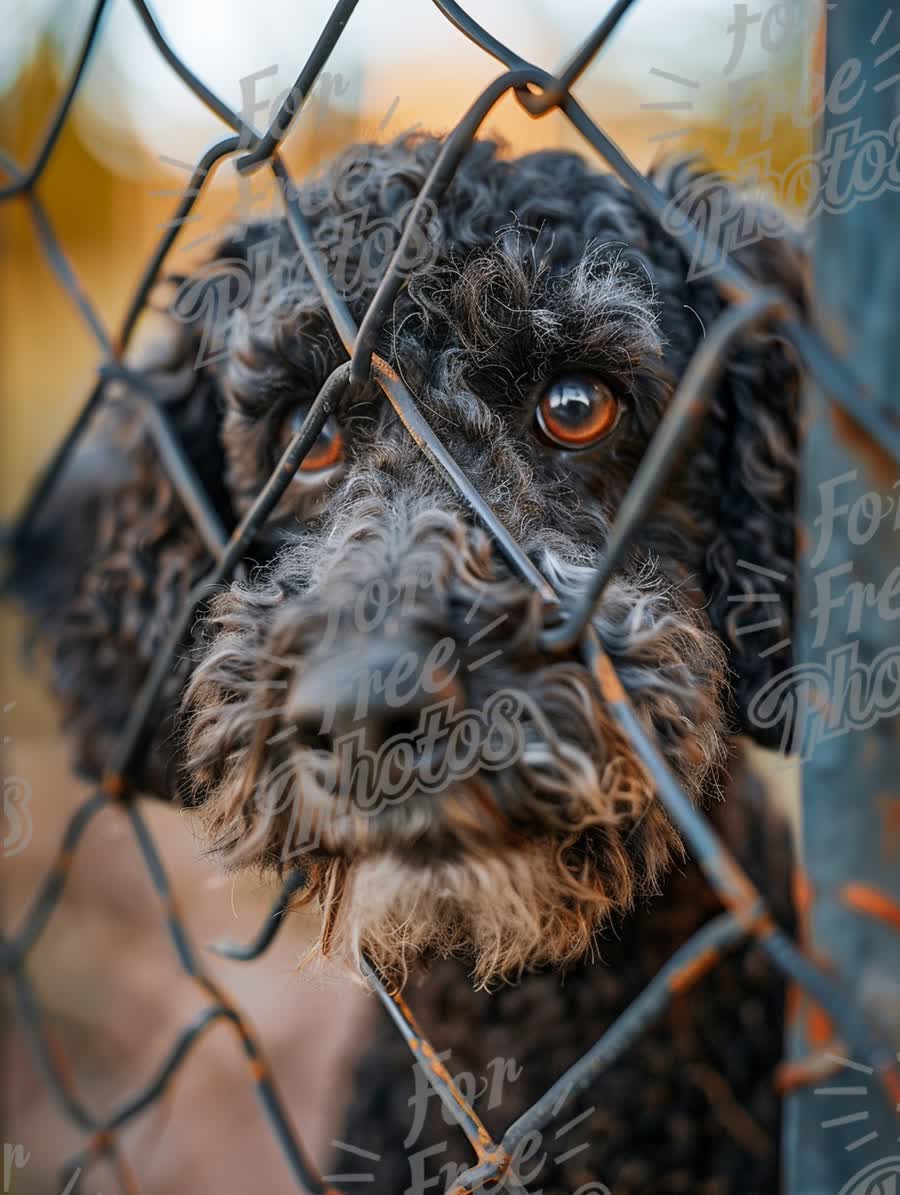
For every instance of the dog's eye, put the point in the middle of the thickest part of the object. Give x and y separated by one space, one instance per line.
576 411
328 449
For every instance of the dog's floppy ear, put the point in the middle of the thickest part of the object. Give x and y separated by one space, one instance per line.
112 553
747 454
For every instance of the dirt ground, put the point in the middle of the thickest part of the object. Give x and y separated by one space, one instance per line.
115 999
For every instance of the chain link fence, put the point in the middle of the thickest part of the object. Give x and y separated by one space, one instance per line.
745 914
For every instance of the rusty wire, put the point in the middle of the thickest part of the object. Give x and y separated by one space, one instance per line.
746 915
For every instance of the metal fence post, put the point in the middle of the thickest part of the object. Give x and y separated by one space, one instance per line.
842 1135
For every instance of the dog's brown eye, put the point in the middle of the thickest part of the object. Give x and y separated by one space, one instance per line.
328 449
576 410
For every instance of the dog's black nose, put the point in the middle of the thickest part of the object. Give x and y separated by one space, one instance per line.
375 691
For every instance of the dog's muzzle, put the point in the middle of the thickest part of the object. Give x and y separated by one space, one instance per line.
380 701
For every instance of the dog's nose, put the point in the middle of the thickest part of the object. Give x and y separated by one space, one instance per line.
376 691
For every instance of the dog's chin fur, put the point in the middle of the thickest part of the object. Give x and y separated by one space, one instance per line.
501 913
465 884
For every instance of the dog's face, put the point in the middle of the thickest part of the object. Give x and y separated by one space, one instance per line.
372 702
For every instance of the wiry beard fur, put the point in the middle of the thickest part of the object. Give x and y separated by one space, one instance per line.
509 868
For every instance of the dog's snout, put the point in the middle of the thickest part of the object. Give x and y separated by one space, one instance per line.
375 692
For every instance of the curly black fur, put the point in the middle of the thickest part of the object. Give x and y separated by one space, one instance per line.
535 267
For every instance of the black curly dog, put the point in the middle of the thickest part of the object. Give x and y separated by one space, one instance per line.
370 700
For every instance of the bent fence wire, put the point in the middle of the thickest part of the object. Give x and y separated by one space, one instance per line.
745 913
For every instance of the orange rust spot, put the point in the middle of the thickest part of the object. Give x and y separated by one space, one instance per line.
499 1156
688 975
743 900
872 903
891 1081
819 1028
483 1140
870 452
64 860
610 685
404 1008
258 1069
60 1061
113 785
732 293
483 1144
102 1141
804 896
382 367
761 924
803 891
493 1155
699 407
818 61
789 1076
423 1049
